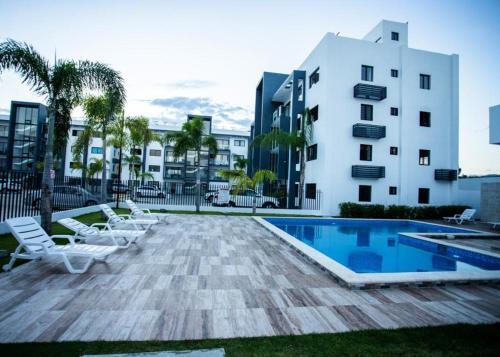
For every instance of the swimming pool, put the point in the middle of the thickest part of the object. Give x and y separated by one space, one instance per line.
376 246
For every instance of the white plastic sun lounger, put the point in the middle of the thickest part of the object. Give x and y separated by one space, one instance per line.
35 243
466 216
84 232
136 212
494 224
125 219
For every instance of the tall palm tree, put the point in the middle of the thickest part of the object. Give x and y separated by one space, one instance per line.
240 162
62 83
101 112
241 181
295 140
191 138
81 148
141 136
119 139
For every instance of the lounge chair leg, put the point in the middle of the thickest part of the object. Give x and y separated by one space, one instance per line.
8 267
72 270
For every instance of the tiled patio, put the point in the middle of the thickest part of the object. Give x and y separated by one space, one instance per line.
214 277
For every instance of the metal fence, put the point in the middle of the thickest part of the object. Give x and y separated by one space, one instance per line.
20 194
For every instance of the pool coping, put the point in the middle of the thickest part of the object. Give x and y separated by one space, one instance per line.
354 280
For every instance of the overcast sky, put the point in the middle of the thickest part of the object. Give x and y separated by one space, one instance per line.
206 56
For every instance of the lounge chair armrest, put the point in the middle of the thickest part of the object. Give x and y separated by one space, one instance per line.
125 216
147 211
105 225
44 248
64 236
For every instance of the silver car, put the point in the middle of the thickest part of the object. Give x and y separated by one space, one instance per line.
65 197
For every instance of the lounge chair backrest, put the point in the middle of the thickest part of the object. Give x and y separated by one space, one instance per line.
113 218
27 230
468 213
78 227
133 207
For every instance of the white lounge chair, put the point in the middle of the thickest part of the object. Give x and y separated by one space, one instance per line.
136 212
84 232
494 224
466 216
35 243
115 220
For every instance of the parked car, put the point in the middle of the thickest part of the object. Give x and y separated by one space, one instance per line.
65 197
9 184
149 191
235 198
121 187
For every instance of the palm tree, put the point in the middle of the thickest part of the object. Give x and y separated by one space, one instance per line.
133 161
191 138
240 162
101 112
62 83
96 166
81 148
295 140
241 181
119 139
141 136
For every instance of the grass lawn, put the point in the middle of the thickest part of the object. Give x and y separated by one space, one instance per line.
452 340
9 243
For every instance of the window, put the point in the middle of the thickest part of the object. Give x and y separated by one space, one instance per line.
311 190
393 190
223 144
366 112
173 173
154 152
154 168
395 36
96 150
312 152
239 142
393 150
74 165
76 132
423 195
4 131
425 81
394 111
314 77
3 148
394 73
367 73
365 193
424 157
314 113
365 152
425 119
221 160
136 151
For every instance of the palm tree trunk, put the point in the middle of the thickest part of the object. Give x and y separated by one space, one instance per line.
198 183
104 195
254 204
85 163
143 166
119 178
302 177
47 181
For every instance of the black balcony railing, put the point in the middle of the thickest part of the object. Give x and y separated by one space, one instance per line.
367 171
368 131
369 91
445 175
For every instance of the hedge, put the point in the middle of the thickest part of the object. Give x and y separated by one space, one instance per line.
356 210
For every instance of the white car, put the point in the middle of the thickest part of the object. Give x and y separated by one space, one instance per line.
149 191
235 198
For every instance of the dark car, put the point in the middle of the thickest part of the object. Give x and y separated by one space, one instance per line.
122 188
65 197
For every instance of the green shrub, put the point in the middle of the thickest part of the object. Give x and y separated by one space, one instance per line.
356 210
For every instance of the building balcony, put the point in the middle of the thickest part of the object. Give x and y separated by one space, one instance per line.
368 131
367 171
369 91
445 175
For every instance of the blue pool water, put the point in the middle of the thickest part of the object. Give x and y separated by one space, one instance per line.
371 246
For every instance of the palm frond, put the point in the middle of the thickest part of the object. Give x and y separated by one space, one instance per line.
98 76
210 142
25 60
262 176
278 137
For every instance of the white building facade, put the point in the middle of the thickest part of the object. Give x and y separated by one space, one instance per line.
385 121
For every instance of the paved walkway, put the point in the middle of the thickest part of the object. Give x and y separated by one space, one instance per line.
214 277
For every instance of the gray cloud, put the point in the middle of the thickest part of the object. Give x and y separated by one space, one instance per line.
191 84
224 115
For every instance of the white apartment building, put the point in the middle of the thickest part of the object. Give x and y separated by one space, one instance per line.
385 121
160 161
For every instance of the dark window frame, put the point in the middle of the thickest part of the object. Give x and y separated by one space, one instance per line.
314 112
155 151
310 191
394 36
312 152
366 112
394 73
314 77
424 157
158 166
424 194
364 193
425 119
393 190
394 111
393 150
367 73
365 149
425 81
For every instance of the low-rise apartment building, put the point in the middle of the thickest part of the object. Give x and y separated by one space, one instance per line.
384 118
